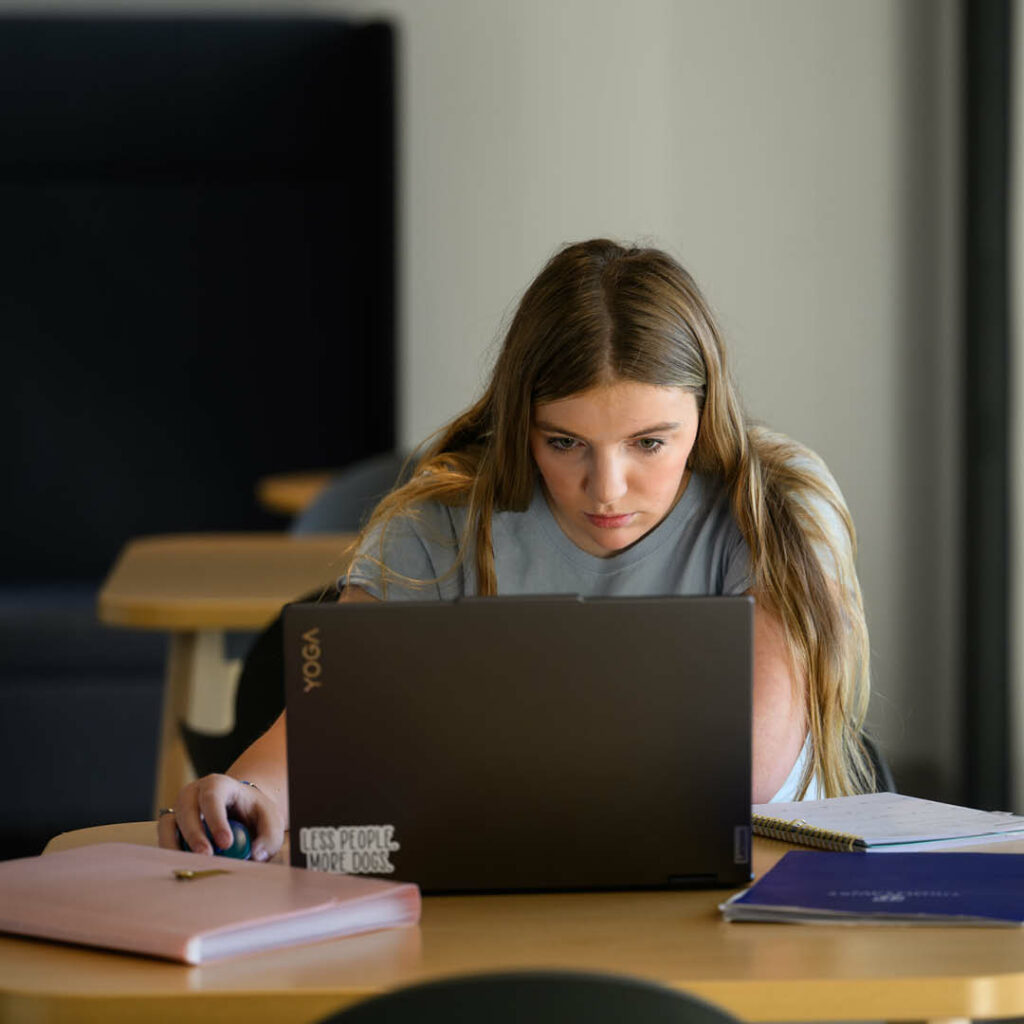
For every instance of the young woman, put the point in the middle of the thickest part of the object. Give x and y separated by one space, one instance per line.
609 455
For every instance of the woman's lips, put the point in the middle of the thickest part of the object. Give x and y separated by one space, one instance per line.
609 522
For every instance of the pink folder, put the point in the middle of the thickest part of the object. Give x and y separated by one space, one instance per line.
128 897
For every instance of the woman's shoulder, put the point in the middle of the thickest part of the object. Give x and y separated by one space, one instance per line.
425 522
799 469
407 547
785 450
820 503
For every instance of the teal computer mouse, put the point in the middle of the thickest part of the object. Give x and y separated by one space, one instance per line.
240 848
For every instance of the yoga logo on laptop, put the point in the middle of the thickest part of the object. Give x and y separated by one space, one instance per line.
349 849
312 668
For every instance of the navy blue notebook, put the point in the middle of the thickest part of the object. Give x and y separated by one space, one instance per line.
904 888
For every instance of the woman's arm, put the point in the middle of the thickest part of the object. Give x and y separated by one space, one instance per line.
265 762
260 801
779 719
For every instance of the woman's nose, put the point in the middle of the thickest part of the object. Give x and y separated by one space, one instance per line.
606 482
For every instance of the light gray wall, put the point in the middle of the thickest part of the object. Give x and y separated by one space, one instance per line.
799 157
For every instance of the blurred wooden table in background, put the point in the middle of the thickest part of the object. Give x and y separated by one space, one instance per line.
288 494
195 587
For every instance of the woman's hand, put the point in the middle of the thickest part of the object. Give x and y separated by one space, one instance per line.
211 798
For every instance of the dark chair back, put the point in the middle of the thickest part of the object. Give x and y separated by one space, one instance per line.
537 997
884 781
346 502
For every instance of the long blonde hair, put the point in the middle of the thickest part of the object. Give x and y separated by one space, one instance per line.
600 311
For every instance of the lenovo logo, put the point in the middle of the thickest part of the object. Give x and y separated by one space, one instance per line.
312 669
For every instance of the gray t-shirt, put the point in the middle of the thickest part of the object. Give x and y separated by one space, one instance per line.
696 549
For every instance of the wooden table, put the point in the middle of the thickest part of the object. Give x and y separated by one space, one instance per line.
197 586
760 972
288 494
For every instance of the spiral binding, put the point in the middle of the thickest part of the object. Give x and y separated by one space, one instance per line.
799 831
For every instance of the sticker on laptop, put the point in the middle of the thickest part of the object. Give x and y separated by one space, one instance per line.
349 849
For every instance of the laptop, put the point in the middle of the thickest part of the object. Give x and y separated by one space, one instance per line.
522 743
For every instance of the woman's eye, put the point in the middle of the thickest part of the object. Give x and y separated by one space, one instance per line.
649 445
562 444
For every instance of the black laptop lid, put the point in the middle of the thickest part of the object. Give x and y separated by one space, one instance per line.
522 743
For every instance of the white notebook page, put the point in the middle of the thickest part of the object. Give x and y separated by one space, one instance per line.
889 818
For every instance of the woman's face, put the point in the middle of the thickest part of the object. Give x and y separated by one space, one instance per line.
613 460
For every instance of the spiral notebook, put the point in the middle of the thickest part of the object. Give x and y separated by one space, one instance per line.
883 823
